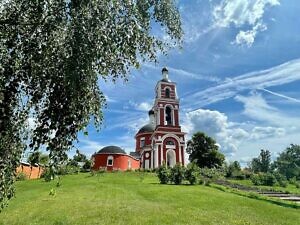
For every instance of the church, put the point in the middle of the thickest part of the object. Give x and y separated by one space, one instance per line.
158 142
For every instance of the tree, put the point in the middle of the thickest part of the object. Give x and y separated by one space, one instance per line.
288 162
204 151
52 54
79 157
44 159
262 163
233 169
34 158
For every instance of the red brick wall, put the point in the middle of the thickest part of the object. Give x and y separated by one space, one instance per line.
138 139
120 162
32 172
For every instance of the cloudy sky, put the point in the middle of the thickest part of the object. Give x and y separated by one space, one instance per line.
238 79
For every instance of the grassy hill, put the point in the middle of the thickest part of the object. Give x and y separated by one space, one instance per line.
136 198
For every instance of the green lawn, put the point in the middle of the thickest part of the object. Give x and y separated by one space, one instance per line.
136 198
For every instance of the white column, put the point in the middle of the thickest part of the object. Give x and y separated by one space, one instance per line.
179 152
161 154
156 156
152 155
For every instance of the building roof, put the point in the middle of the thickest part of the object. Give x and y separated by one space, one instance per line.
111 149
147 128
135 155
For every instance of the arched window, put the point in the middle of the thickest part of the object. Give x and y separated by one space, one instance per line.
142 142
110 160
168 114
167 93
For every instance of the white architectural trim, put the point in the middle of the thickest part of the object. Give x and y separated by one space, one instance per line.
161 154
171 135
179 154
151 155
110 157
156 156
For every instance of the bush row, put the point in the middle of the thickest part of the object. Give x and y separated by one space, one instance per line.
271 179
191 174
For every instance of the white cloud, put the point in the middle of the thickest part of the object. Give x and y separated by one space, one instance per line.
240 13
141 106
144 106
278 75
256 107
247 37
281 96
183 73
216 125
267 132
110 100
242 139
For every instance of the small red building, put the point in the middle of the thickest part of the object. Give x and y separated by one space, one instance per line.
114 158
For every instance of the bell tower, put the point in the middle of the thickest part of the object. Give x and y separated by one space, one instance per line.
161 140
168 139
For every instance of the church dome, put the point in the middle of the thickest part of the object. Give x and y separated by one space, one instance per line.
147 128
151 112
165 74
111 149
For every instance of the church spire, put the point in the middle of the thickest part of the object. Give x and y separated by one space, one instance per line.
165 74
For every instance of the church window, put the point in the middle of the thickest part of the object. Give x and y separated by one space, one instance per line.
168 116
110 160
170 143
167 93
142 143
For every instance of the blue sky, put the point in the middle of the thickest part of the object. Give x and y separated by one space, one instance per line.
238 78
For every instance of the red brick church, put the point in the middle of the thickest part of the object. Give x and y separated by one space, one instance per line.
160 141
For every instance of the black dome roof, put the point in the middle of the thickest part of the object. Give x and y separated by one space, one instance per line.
111 149
151 112
147 128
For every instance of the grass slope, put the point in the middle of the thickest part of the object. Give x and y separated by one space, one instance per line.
136 198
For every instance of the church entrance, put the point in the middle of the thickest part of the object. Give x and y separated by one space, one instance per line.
171 158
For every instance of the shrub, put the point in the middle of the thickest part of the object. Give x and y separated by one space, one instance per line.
269 179
281 180
238 175
266 179
86 166
255 179
163 174
177 174
191 173
21 176
283 183
293 180
211 173
200 180
297 185
247 173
